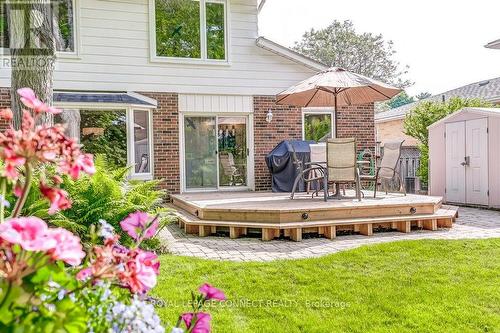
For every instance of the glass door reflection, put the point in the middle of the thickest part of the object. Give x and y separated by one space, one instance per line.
232 145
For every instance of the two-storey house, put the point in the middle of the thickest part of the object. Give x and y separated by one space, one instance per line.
182 90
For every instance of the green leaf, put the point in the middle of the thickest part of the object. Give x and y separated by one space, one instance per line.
16 248
42 275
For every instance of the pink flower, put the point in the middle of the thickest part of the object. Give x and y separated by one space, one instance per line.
28 123
29 232
86 161
6 114
151 229
68 247
29 99
202 324
146 275
211 292
84 274
12 161
49 155
136 222
53 110
138 277
18 190
149 259
83 162
58 198
40 144
32 234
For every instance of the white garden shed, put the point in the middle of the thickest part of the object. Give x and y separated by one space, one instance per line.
464 157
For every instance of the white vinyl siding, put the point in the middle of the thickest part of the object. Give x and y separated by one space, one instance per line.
115 56
215 103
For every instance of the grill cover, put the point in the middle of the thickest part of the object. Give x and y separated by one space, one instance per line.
280 164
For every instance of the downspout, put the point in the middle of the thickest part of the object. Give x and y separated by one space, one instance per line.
261 5
259 8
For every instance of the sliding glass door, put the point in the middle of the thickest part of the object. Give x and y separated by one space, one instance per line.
200 152
215 152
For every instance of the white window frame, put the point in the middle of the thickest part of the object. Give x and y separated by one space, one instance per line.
131 144
203 60
318 111
75 54
129 112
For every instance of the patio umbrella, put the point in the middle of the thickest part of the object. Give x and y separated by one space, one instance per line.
336 87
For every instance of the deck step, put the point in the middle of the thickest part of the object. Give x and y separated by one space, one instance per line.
442 218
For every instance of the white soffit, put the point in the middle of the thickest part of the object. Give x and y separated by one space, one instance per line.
215 103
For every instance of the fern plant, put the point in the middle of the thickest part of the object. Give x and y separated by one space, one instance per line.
107 195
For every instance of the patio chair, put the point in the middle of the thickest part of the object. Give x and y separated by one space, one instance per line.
229 169
311 172
342 165
388 167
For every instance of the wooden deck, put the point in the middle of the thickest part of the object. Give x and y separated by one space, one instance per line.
275 215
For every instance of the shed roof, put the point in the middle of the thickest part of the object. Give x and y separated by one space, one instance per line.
493 112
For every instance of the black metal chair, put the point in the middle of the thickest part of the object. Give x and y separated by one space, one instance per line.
311 172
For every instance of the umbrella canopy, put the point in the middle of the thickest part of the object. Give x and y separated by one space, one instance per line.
346 87
336 87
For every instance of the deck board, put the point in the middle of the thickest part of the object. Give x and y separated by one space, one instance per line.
273 202
278 207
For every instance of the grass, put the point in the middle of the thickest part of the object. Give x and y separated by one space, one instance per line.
416 286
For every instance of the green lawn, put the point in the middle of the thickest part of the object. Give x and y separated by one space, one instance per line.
417 286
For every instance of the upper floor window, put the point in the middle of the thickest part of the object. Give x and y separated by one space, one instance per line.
190 29
63 18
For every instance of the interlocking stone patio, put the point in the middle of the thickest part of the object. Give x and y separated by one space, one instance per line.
473 223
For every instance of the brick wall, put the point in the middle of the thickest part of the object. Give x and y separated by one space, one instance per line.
4 103
353 121
358 121
286 124
166 140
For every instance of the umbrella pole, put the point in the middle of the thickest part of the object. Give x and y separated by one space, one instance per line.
337 194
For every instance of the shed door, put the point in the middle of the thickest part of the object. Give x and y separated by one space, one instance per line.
477 158
455 156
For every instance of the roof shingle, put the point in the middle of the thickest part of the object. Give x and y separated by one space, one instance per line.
488 90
